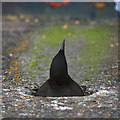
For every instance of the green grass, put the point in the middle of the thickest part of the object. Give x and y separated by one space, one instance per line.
53 35
95 44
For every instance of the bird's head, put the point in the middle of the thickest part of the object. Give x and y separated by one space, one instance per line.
63 45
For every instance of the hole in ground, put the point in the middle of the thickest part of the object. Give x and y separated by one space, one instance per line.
86 89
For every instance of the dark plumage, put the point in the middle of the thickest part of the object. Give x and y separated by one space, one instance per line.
59 83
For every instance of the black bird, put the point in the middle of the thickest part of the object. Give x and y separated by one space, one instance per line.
60 83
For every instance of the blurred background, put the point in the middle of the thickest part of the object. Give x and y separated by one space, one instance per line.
62 10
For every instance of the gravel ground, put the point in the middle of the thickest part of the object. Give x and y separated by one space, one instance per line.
17 104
